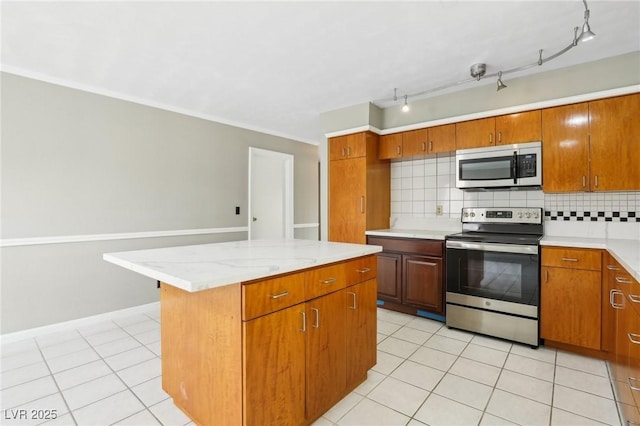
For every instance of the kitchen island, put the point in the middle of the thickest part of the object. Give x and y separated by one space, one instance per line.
262 332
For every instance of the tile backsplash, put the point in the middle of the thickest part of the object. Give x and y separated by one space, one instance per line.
421 185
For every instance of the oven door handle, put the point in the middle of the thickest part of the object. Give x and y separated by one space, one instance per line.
502 248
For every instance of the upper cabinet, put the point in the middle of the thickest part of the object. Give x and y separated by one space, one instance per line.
592 146
418 142
348 146
500 130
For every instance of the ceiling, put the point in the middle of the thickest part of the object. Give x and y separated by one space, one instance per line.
276 66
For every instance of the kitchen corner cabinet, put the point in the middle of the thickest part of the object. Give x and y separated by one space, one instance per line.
359 191
571 296
294 345
592 146
410 273
431 140
501 130
621 308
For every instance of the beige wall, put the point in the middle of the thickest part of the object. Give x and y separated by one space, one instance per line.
77 163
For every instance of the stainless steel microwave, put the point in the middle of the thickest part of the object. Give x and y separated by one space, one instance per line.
517 166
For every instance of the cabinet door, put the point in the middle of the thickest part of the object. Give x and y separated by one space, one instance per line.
274 366
361 328
615 143
442 138
518 128
338 148
326 352
390 146
422 282
415 142
475 133
347 204
570 306
565 148
390 277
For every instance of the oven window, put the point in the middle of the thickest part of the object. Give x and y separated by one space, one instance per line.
509 277
486 168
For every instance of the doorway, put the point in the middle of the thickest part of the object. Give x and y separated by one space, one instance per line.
270 211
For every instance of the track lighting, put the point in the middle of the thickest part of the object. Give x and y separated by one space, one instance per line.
501 85
478 71
405 107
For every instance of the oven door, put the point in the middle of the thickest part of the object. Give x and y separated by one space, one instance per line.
508 274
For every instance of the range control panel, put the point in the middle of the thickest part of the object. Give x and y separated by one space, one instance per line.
502 215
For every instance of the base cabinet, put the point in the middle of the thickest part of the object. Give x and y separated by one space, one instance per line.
279 351
410 273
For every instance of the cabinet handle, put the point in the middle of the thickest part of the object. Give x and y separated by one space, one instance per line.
612 268
499 137
304 322
279 295
622 280
631 338
364 270
362 204
342 152
612 299
584 181
348 151
634 298
629 380
490 138
569 259
317 323
424 146
596 180
329 280
398 149
353 306
430 145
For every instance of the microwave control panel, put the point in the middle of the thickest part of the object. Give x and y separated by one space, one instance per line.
526 165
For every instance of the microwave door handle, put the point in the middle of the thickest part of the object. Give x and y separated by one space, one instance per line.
514 167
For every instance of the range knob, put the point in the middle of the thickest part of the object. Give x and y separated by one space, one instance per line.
536 215
473 214
519 215
528 215
466 214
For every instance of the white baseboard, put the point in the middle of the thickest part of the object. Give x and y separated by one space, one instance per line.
74 324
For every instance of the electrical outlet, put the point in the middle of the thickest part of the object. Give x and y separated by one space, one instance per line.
439 210
237 209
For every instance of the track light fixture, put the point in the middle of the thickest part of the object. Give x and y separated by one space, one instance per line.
478 71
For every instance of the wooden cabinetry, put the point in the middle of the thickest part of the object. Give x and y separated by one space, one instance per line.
571 291
431 140
501 130
410 274
359 191
279 351
592 146
348 146
621 322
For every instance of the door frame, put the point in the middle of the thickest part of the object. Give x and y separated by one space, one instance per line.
287 166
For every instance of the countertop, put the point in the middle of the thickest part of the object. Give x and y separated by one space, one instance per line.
627 252
201 267
410 233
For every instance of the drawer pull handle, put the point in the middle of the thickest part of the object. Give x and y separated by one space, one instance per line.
329 280
304 322
424 146
279 295
612 299
629 380
364 270
612 268
634 298
631 337
353 306
622 280
569 259
317 323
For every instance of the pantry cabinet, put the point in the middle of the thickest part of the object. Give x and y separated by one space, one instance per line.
359 190
571 292
501 130
592 146
410 274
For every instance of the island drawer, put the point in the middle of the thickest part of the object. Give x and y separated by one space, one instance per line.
266 296
573 258
326 279
361 269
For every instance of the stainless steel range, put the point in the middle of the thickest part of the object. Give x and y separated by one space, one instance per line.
493 273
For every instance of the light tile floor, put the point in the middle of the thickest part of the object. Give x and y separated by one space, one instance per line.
427 374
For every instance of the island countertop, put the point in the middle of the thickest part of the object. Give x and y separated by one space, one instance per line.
201 267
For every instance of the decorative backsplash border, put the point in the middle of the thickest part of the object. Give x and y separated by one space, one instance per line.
598 216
